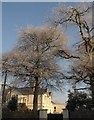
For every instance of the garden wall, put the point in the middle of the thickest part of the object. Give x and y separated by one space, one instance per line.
81 114
18 114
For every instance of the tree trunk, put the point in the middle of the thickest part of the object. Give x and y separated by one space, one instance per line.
3 88
37 87
36 92
92 90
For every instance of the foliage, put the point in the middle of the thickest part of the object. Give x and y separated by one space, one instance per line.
79 101
12 104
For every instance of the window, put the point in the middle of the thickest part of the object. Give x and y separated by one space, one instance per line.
28 98
54 109
23 99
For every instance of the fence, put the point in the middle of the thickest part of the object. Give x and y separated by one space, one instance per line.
78 115
26 115
42 115
17 114
81 114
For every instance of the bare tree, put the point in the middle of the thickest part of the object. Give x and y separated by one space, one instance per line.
34 58
80 17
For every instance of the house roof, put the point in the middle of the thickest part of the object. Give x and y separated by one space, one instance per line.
57 103
28 90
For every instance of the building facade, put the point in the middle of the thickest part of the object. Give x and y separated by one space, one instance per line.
25 97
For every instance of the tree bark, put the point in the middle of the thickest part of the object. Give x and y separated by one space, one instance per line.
92 90
3 88
37 87
36 92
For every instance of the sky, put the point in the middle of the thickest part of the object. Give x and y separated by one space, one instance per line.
47 0
16 15
0 28
21 14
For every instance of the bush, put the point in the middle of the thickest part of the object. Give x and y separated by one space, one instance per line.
79 101
12 105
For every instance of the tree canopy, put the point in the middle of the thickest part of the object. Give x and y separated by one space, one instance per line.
34 60
79 101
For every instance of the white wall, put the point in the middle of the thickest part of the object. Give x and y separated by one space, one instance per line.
59 107
46 102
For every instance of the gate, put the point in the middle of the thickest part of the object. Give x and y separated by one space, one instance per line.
55 117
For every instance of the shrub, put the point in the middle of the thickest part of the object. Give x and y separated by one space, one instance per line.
12 105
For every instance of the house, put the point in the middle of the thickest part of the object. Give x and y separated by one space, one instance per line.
58 107
25 97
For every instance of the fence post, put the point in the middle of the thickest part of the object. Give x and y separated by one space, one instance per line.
65 114
43 114
0 107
